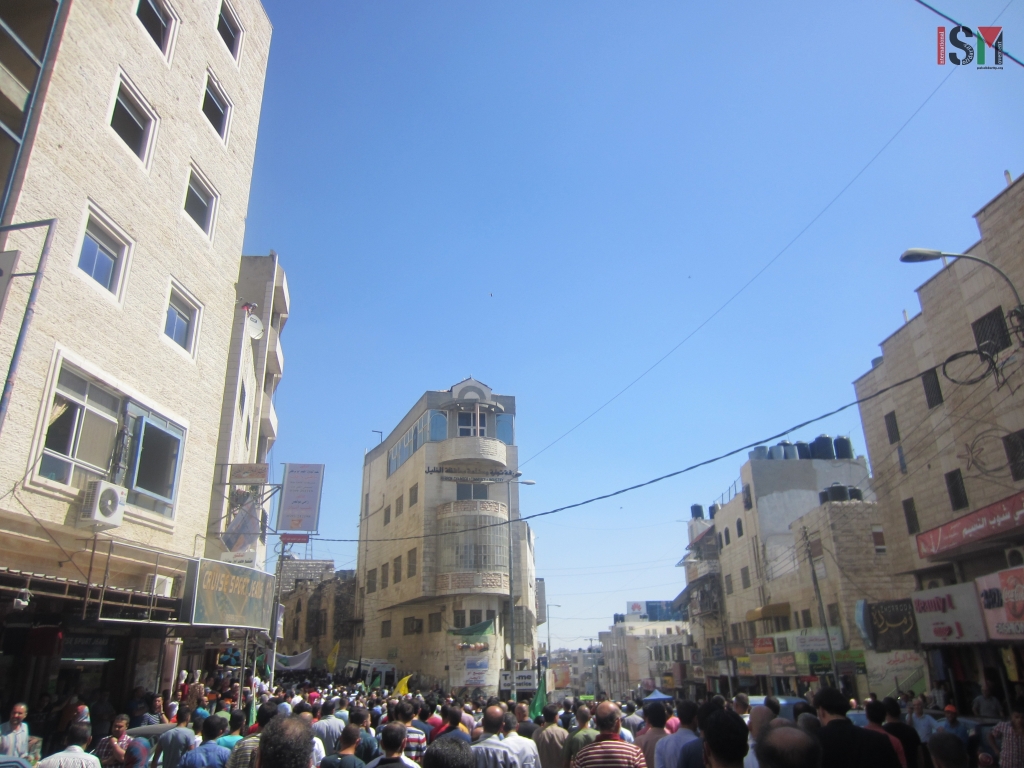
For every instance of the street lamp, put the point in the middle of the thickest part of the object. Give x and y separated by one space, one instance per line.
511 595
916 255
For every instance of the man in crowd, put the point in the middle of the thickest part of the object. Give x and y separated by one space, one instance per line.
741 706
526 727
14 733
875 712
953 725
632 721
423 711
947 751
415 739
525 750
725 740
78 738
987 705
110 750
393 742
1007 739
758 720
692 753
345 757
154 710
450 753
490 751
578 739
243 754
209 754
173 744
285 742
550 739
656 716
844 745
787 747
921 722
368 750
235 725
666 752
329 727
608 750
565 718
453 729
907 735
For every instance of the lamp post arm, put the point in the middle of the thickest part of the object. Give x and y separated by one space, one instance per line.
1002 274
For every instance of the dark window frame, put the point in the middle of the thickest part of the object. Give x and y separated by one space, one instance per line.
956 490
892 427
932 388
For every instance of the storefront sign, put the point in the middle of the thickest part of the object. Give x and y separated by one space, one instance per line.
526 679
849 663
696 656
647 684
698 674
783 664
949 615
764 645
724 668
813 639
734 650
989 521
744 667
476 671
1002 603
892 626
718 651
91 647
761 664
250 474
230 595
300 497
668 682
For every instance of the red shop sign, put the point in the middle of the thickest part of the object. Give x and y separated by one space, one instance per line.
990 521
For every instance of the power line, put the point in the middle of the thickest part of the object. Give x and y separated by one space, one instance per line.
936 11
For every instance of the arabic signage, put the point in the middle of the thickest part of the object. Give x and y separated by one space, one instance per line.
300 497
810 639
294 538
718 651
744 667
989 521
783 664
249 474
476 671
761 664
1002 603
949 615
229 595
764 645
892 626
849 662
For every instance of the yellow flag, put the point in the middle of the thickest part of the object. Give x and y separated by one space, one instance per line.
403 686
332 657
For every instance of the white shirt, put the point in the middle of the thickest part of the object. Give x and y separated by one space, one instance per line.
750 761
318 751
525 750
490 752
72 757
405 760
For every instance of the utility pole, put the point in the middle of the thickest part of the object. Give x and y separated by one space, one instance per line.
511 594
821 609
723 621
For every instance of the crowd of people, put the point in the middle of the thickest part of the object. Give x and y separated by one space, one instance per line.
206 724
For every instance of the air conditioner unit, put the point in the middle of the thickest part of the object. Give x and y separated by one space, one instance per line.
165 585
1015 557
103 506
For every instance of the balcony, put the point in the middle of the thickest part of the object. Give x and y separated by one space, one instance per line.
268 418
473 452
275 355
282 297
472 507
705 567
472 551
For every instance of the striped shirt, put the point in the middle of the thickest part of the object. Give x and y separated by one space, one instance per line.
609 751
415 743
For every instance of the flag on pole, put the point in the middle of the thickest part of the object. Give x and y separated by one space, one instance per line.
403 686
376 682
541 697
332 657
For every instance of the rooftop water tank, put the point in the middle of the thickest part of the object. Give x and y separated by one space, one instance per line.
713 510
777 452
760 452
856 494
823 448
791 451
803 449
844 448
696 512
838 492
822 497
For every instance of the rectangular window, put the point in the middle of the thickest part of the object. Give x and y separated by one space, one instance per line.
459 619
956 490
82 431
901 459
412 626
833 614
157 21
819 568
490 616
733 628
385 628
475 617
397 570
132 121
434 622
728 583
241 399
748 499
180 321
745 577
229 28
384 576
805 614
387 514
1014 446
399 505
815 546
366 505
157 453
990 332
468 426
910 515
199 202
410 560
878 539
215 106
469 491
796 620
371 581
414 495
504 428
892 428
932 388
101 256
782 624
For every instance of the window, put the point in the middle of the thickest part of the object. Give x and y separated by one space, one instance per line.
366 505
216 106
431 427
910 515
796 619
892 428
410 560
491 616
199 202
156 458
748 498
387 514
414 495
384 576
399 505
932 388
504 428
241 399
728 583
468 426
819 568
398 569
459 619
956 490
385 628
805 614
132 121
434 622
739 528
468 491
990 332
901 459
157 20
371 581
727 537
101 256
878 539
833 614
1014 447
229 28
180 322
720 541
412 626
782 623
745 577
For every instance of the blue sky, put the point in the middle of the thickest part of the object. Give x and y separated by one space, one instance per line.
550 196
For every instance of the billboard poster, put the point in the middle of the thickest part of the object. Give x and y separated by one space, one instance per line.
948 615
563 678
1002 603
476 671
229 595
783 664
634 606
249 474
892 626
764 645
300 497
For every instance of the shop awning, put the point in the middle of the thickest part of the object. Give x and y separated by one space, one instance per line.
770 611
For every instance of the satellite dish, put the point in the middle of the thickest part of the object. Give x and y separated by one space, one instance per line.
254 327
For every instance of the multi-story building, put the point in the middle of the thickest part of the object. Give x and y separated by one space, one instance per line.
319 614
292 569
132 126
945 433
629 650
438 495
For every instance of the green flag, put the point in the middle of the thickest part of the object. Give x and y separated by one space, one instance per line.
541 697
375 683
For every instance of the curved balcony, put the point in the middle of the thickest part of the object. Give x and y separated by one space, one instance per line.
472 507
473 452
472 556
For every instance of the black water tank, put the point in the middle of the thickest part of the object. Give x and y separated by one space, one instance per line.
856 494
837 492
822 497
712 510
844 448
822 448
696 512
803 450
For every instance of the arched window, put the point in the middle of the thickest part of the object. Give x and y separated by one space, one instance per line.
298 605
719 541
727 536
739 528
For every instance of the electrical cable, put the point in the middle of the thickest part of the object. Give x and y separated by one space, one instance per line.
954 21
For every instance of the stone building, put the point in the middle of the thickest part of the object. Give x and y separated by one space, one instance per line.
317 615
629 650
448 468
135 125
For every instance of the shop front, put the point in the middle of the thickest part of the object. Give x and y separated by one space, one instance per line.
1002 604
